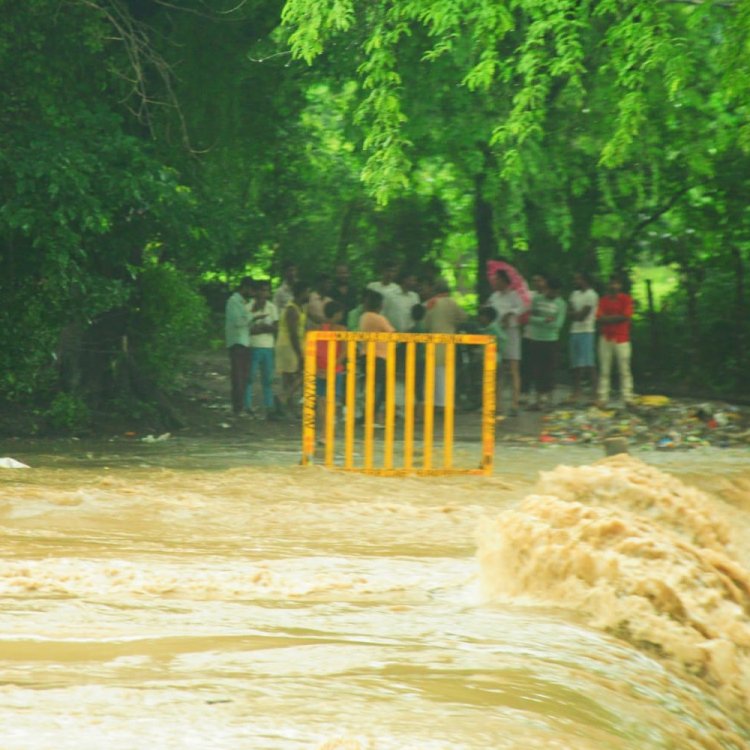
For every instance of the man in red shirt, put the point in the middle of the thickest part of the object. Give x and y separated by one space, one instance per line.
613 315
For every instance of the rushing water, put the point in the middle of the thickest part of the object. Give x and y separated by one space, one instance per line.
177 596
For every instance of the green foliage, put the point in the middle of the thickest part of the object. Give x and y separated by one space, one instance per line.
81 193
68 413
129 406
29 329
146 147
528 54
172 318
706 354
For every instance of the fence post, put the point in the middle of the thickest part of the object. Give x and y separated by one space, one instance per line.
351 393
331 400
370 388
381 374
488 407
448 414
409 398
390 404
429 405
308 402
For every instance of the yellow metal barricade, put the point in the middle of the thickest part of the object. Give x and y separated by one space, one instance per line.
400 347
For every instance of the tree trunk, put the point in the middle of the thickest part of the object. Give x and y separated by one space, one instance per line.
692 348
345 233
583 210
742 327
486 242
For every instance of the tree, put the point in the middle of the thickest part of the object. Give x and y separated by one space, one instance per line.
83 196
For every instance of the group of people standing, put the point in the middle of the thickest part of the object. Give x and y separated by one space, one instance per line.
265 331
533 321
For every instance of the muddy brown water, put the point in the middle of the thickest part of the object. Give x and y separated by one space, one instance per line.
198 594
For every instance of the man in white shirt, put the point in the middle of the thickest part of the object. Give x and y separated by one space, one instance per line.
237 333
264 321
404 300
388 287
582 312
443 316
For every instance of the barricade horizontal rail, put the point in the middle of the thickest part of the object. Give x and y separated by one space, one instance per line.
380 354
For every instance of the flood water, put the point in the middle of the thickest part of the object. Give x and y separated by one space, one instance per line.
188 595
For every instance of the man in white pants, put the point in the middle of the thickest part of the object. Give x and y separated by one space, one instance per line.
614 315
443 316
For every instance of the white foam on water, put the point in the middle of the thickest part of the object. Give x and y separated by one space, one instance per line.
292 609
637 553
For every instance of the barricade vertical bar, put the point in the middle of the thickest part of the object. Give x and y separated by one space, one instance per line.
390 404
488 409
429 405
450 390
351 386
369 404
308 400
409 397
385 380
330 415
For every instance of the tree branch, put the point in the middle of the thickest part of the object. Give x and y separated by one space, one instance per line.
722 4
656 214
142 57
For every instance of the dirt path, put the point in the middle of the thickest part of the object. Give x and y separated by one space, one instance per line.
662 423
202 401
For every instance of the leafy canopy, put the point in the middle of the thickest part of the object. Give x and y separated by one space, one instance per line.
526 54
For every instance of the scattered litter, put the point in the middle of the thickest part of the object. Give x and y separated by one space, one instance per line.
11 463
160 439
653 422
652 400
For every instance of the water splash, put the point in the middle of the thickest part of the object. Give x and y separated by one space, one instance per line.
641 555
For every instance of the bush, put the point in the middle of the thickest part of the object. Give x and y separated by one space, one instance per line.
712 357
68 413
172 318
29 329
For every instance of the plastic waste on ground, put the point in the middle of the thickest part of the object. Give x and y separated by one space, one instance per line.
159 439
652 422
11 463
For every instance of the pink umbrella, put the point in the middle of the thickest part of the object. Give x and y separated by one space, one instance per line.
517 282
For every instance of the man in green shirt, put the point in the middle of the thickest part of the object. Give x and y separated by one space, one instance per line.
546 319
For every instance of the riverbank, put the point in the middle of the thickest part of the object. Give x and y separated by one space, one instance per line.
200 406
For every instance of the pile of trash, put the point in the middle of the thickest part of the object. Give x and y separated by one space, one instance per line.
653 421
